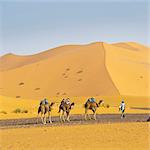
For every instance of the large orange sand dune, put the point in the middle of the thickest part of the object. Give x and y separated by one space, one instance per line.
78 70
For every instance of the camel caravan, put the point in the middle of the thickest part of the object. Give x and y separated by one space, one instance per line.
45 108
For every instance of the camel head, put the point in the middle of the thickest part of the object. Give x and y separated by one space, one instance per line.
101 102
52 103
72 105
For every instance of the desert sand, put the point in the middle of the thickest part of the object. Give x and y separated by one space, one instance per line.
126 136
111 72
106 71
129 67
96 69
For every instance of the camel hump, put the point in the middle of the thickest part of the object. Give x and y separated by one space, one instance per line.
67 101
44 102
91 100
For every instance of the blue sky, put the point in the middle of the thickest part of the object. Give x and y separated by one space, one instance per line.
30 26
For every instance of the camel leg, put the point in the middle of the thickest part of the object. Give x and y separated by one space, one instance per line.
68 117
63 116
94 115
39 112
44 120
60 117
85 117
49 116
37 119
89 117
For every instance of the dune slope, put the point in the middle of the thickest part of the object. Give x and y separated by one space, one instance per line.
79 71
129 67
12 61
97 69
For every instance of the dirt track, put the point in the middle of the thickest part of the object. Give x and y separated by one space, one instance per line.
75 120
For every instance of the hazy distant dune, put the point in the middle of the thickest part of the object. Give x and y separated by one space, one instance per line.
131 46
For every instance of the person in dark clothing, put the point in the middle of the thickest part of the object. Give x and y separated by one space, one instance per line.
44 102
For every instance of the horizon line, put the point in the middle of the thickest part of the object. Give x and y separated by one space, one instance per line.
61 45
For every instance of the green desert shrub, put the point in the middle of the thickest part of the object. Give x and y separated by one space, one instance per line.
18 110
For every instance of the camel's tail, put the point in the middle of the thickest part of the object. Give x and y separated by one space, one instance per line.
85 105
39 109
59 109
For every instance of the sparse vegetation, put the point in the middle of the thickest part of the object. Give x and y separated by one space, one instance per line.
24 111
103 105
107 106
18 110
3 112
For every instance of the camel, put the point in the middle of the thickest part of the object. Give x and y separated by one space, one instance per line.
65 107
91 106
45 109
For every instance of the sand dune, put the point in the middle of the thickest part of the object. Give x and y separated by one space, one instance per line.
12 61
129 69
131 46
97 69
